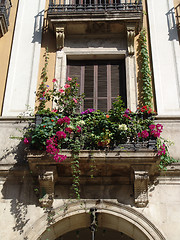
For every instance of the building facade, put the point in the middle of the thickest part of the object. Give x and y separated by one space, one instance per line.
97 42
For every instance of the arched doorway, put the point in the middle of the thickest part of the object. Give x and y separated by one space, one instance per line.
100 234
114 216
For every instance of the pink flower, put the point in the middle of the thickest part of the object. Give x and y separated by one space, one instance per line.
60 134
75 100
60 121
162 150
69 79
139 134
26 141
67 120
59 157
78 129
54 110
69 130
63 120
126 116
66 85
145 134
159 127
61 90
54 80
152 126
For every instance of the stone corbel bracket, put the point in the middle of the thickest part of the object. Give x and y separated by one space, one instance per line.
47 178
141 179
60 36
130 37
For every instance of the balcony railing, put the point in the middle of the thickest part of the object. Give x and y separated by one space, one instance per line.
5 6
177 12
56 6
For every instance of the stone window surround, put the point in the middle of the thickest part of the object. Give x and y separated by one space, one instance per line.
131 83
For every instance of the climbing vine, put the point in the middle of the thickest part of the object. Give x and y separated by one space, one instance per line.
145 70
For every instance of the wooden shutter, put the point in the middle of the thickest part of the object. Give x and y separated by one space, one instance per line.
100 81
102 87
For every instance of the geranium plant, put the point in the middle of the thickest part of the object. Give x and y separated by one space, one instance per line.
64 127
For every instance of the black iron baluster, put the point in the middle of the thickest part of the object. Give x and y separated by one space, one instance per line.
94 223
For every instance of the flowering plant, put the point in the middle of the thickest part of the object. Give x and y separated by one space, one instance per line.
64 127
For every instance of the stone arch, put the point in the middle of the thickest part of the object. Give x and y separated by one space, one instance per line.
111 215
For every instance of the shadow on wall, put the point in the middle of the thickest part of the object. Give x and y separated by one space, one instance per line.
18 188
171 23
38 26
48 37
42 33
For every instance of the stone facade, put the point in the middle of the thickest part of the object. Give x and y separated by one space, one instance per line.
131 198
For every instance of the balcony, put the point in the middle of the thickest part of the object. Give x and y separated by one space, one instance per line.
70 14
177 12
5 6
88 6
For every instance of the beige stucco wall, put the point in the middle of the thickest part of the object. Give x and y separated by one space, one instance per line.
176 2
48 42
5 50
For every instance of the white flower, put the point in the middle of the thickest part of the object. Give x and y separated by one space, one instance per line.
71 126
81 122
123 127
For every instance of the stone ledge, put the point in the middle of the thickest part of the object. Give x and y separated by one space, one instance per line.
135 166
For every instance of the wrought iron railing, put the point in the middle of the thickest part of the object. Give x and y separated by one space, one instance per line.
177 12
56 6
5 6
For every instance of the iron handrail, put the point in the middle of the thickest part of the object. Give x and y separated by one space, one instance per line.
94 5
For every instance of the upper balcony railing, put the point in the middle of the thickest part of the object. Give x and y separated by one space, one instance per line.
5 6
56 6
177 12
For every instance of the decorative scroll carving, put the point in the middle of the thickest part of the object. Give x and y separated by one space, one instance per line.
130 38
141 178
46 184
60 37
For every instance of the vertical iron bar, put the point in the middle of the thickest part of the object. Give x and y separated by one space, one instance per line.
93 235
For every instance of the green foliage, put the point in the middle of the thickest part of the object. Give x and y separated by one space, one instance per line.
145 70
163 151
65 128
42 96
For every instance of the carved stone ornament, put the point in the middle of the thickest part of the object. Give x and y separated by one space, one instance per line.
130 38
141 179
46 185
60 37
